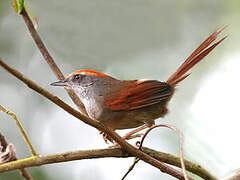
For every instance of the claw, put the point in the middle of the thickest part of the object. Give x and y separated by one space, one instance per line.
106 138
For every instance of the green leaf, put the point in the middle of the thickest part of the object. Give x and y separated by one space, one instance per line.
18 5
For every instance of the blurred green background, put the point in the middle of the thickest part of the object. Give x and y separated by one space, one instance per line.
130 39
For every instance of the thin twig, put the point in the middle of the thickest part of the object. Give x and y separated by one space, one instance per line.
125 145
135 161
48 58
180 146
141 143
23 171
33 152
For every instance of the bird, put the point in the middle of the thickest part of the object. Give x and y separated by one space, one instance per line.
126 104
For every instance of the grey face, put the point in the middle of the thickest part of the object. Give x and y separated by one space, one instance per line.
76 81
85 87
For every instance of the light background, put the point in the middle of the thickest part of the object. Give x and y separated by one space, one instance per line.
130 39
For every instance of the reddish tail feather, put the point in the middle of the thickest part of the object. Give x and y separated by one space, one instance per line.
197 55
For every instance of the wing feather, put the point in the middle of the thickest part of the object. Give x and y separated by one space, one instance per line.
140 94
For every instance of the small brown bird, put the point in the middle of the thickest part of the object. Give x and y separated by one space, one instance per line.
124 104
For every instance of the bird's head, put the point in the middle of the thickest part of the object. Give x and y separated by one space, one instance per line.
81 79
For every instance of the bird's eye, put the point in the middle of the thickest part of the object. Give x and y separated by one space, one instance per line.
76 77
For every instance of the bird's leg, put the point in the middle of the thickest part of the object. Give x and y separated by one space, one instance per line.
132 134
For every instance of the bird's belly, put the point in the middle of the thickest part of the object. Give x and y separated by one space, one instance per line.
132 118
123 122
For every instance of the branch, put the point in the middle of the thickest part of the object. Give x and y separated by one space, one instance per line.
23 171
125 145
103 153
48 58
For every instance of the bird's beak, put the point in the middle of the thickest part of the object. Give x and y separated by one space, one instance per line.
60 83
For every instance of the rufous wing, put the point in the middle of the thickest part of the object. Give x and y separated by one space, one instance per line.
141 94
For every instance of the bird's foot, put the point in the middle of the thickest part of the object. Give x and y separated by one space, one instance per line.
106 138
131 135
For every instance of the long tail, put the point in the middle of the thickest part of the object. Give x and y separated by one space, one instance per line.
197 55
